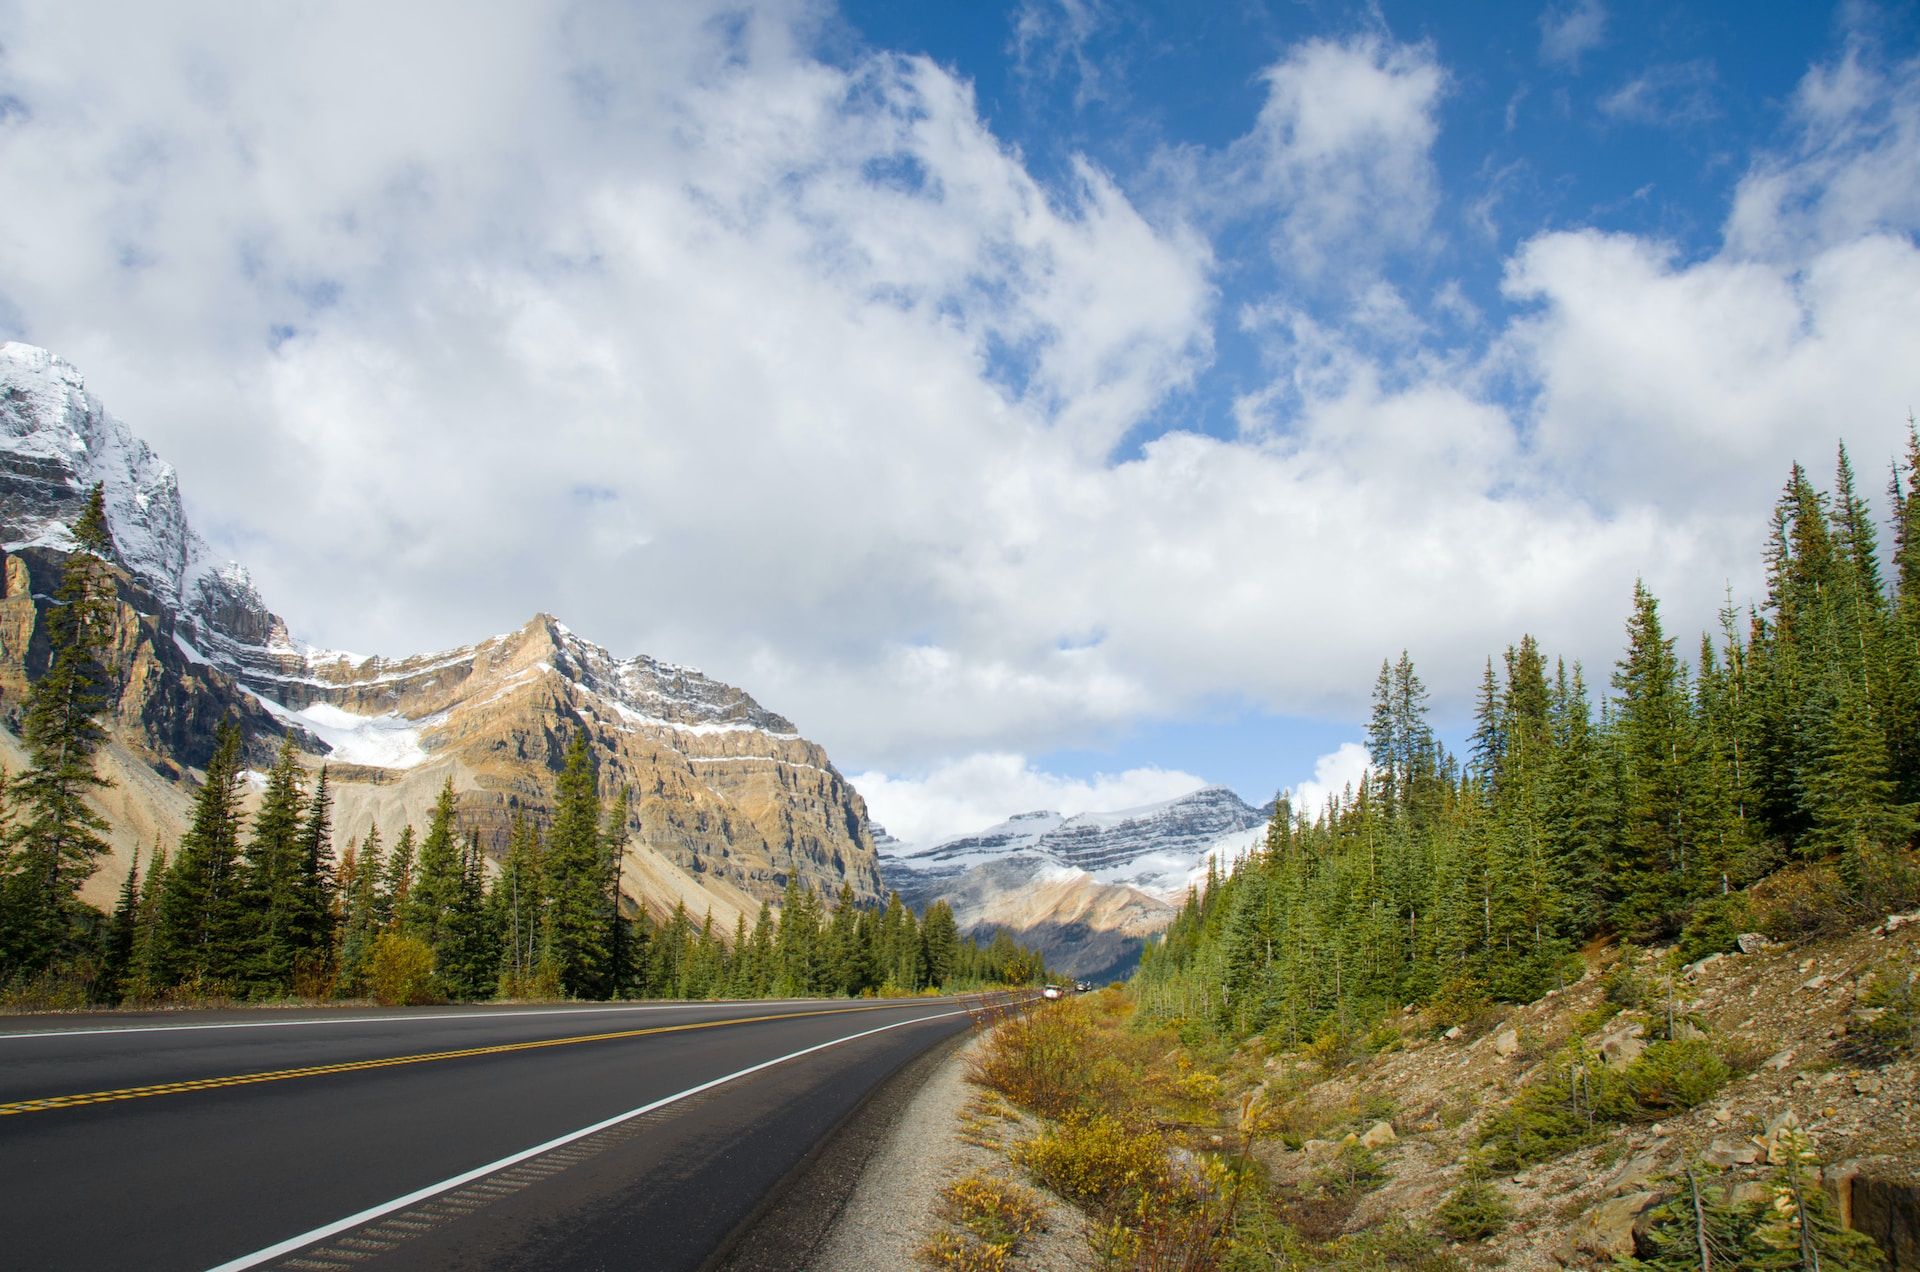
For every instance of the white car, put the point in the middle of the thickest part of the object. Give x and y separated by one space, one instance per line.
1051 991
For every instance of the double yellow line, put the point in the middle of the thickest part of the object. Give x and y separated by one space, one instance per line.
355 1066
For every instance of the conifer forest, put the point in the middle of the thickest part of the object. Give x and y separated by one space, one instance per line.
1770 779
262 907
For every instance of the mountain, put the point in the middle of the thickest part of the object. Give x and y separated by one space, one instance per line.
728 800
1087 891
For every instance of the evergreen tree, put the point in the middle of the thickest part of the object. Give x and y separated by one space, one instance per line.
55 836
396 885
269 882
145 974
435 886
201 922
940 944
313 911
116 962
578 882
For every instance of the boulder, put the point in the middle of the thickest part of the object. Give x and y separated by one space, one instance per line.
1778 1061
1728 1150
1506 1043
1452 1033
1379 1135
1897 921
1753 942
1693 971
1607 1231
1887 1209
1621 1045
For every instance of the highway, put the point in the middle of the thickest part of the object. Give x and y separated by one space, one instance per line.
583 1136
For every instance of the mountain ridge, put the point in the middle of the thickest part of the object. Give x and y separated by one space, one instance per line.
730 802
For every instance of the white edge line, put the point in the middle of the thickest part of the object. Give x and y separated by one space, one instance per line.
305 1239
505 1013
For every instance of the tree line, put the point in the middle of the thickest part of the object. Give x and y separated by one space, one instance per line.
261 907
1791 739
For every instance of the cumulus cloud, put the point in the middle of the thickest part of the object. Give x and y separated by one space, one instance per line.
1335 775
789 367
1340 157
970 794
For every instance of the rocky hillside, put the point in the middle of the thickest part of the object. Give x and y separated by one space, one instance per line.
1802 1044
729 801
1088 891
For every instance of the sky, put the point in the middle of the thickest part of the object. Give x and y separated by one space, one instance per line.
1061 403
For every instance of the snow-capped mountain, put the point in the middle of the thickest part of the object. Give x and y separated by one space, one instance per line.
729 800
1088 890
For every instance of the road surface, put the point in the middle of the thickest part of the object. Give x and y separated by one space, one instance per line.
592 1136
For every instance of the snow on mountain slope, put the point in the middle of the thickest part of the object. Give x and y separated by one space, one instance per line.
1087 890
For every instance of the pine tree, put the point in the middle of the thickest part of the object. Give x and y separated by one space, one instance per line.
1657 745
619 975
313 912
940 942
396 887
363 913
55 838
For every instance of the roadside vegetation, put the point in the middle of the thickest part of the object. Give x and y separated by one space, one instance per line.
260 908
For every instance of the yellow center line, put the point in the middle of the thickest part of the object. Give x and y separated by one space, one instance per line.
353 1066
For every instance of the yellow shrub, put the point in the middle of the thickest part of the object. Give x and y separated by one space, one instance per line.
400 970
1096 1160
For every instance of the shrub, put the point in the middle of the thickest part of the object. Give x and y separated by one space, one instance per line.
400 970
1097 1160
1623 986
1354 1169
1715 926
1800 902
1888 1024
1475 1211
1671 1076
1561 1111
1043 1061
993 1216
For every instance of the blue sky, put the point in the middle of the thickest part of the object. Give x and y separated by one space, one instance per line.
1060 403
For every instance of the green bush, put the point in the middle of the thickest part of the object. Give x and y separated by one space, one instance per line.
1672 1076
1354 1169
1096 1160
1475 1211
1556 1114
1715 925
1889 1023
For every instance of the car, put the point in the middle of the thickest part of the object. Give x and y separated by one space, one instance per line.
1051 991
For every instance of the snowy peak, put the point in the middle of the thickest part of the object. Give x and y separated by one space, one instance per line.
1133 845
56 441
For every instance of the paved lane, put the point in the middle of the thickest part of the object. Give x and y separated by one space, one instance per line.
420 1125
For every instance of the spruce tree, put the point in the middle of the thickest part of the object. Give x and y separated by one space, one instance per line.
578 882
55 838
270 883
116 958
201 923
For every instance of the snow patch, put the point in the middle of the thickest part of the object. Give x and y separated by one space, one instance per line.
384 741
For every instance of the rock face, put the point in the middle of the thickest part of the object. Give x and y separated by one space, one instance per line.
728 801
1087 891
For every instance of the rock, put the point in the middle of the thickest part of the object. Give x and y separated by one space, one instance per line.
1379 1135
1608 1229
1694 970
1753 942
1687 1031
1888 1210
1621 1045
1725 1150
1749 1191
1506 1043
1894 922
1868 1084
1778 1061
1818 982
1723 1116
1633 1173
1315 1147
1452 1033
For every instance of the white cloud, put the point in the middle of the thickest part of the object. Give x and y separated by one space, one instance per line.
1340 157
1670 94
1568 32
1336 774
970 794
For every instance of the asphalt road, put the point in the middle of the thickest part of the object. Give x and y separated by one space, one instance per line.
634 1136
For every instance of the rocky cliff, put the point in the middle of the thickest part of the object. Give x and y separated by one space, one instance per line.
728 801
